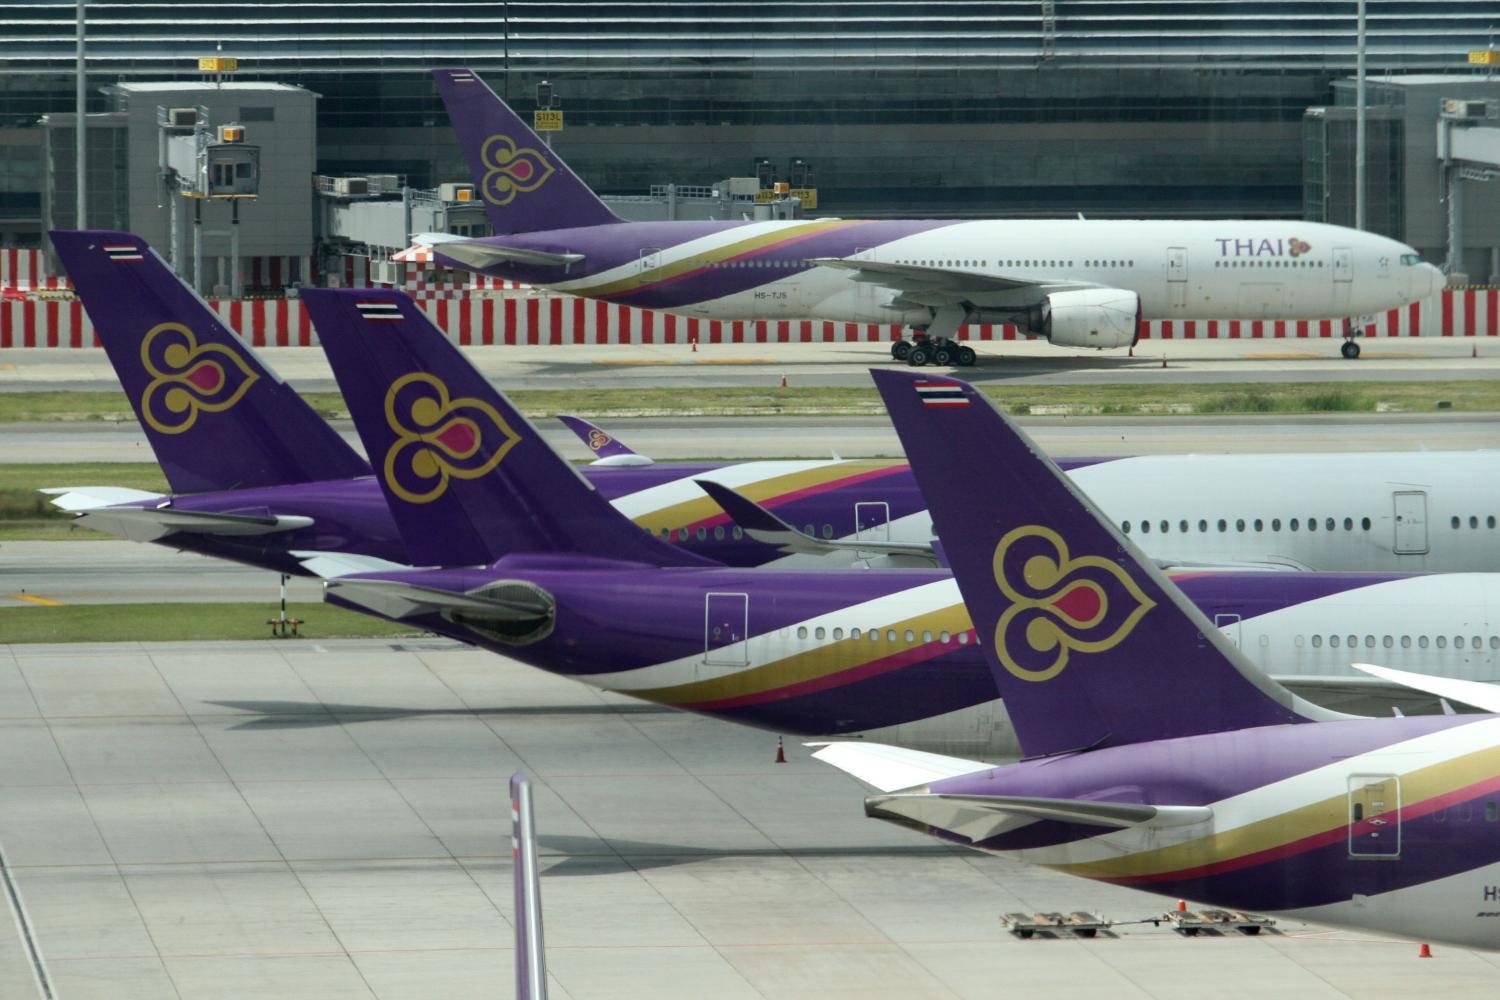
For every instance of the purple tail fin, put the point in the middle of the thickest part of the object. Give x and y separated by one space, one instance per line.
525 186
215 415
1089 643
531 950
467 478
604 446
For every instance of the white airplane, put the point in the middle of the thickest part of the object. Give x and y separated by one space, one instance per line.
1076 282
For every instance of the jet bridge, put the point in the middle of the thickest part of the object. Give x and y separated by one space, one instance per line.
1468 144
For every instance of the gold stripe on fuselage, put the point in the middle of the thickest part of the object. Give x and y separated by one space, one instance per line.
702 507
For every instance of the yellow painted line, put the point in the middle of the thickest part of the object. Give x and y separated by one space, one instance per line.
638 361
33 599
8 367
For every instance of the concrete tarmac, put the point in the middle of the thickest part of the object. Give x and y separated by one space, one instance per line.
1021 362
293 819
676 438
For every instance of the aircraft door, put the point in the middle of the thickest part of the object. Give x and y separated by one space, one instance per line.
1229 624
1411 522
1343 278
650 261
1177 275
866 292
872 522
726 619
1374 817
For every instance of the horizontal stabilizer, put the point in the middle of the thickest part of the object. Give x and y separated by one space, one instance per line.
147 524
1485 697
399 599
607 449
891 768
331 565
77 498
764 526
477 256
980 817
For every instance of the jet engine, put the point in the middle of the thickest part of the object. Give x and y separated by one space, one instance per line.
1091 317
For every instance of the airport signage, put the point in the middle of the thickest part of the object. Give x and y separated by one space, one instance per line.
547 121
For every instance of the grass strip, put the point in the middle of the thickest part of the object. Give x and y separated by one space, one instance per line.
1156 399
184 622
26 515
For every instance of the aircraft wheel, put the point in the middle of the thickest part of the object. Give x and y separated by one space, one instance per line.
943 356
1350 350
900 349
966 357
918 357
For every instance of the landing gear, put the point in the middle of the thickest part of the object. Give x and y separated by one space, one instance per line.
1352 329
900 349
925 350
1350 349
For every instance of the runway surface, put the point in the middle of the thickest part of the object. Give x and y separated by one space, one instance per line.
1019 362
293 819
672 438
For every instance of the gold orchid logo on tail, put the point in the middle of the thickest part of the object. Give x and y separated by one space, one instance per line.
188 378
510 171
438 437
1060 604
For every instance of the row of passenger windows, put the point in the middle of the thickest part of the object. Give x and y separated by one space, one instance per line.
1489 522
1258 524
1017 263
1268 263
720 532
1406 642
909 636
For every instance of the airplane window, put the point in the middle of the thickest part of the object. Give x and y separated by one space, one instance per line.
1422 642
802 632
1408 259
1489 522
1353 641
1387 642
1333 641
1454 523
909 636
838 633
1442 642
1182 525
926 636
702 533
890 635
1202 525
1473 521
1369 642
945 637
666 533
738 532
1495 642
808 529
1348 524
1145 527
1275 524
827 531
963 638
718 533
874 635
1458 642
1476 643
1491 809
1364 523
1359 811
1223 525
1312 524
854 633
1406 642
1125 527
820 633
1292 524
1166 526
1329 524
1317 642
1259 524
1239 524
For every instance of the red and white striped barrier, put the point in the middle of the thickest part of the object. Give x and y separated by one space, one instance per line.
511 318
27 269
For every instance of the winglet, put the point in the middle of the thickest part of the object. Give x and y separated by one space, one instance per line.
467 477
607 450
1089 643
217 417
524 186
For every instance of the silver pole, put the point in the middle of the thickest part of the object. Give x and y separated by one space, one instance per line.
80 90
531 952
236 287
198 245
1359 123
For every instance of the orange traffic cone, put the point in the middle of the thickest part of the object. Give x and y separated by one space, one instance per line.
781 759
1164 361
783 380
1182 906
1426 951
1474 351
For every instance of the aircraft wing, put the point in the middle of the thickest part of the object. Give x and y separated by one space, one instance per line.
764 526
147 524
77 498
914 279
476 255
1485 697
399 599
980 817
891 768
331 565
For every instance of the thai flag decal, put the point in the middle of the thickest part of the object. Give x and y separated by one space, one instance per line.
123 251
941 394
461 77
379 310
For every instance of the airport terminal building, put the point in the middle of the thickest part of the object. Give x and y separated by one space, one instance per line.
938 109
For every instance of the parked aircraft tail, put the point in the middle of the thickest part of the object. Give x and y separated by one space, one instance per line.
523 185
217 417
468 479
1090 644
607 449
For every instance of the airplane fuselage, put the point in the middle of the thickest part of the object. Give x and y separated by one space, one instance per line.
1184 269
